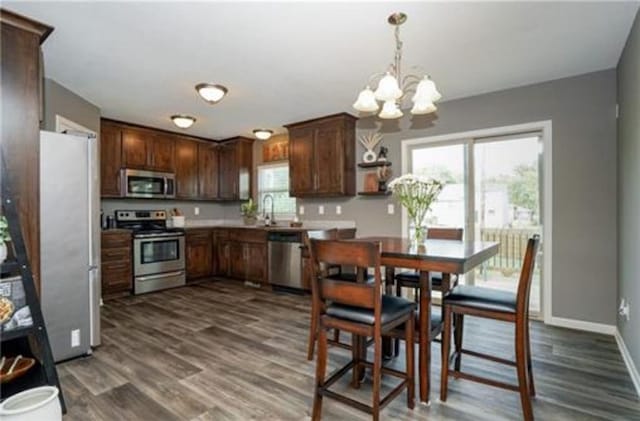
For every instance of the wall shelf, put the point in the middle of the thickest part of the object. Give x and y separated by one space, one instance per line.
374 164
374 193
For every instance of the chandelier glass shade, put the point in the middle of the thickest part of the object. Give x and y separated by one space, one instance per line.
393 89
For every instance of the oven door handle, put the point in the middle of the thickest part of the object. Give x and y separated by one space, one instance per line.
160 276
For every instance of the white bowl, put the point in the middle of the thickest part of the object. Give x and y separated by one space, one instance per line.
37 404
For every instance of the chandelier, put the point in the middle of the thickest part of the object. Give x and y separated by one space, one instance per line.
393 89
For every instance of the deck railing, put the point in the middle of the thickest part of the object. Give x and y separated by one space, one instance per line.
513 244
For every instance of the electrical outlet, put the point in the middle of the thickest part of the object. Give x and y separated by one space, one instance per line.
75 338
321 209
391 209
624 310
196 210
301 210
338 210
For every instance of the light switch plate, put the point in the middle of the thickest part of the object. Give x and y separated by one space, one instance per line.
301 210
196 210
391 209
338 210
321 209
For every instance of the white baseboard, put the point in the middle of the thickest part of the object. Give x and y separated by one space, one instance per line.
633 371
582 325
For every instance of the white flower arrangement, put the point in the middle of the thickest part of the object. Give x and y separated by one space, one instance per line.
416 194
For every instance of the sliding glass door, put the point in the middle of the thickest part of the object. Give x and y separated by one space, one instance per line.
493 190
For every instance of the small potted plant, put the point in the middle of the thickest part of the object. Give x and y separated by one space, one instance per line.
249 210
4 238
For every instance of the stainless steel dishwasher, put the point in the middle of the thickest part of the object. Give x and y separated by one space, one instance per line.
285 261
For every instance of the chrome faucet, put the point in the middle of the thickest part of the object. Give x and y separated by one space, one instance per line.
272 218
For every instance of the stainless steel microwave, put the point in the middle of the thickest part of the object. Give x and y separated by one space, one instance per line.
148 184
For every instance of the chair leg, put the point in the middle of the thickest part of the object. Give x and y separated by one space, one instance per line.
396 342
321 366
458 324
355 353
313 332
521 366
409 331
444 349
532 388
377 376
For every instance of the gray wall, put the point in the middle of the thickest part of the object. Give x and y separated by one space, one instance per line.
60 100
629 189
582 109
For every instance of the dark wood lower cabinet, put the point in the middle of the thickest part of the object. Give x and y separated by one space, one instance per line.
199 254
241 254
256 262
117 270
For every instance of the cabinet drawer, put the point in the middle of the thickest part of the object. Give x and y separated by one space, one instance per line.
116 240
199 235
248 235
221 234
110 268
116 255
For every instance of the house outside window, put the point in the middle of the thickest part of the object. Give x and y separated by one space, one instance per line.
273 179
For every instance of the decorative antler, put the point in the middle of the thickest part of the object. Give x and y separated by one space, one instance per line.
370 140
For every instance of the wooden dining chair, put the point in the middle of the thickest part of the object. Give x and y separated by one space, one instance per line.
439 281
360 309
497 305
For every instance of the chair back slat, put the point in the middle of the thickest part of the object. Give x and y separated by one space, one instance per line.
360 254
349 293
356 253
445 233
526 275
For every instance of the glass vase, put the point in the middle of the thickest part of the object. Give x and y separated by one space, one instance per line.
419 236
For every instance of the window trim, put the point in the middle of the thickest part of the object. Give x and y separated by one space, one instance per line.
270 165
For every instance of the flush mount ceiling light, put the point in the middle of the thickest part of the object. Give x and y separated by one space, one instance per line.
211 93
183 121
263 134
393 89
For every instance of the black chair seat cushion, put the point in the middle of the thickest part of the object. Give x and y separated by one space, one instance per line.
412 279
392 308
482 298
436 318
349 277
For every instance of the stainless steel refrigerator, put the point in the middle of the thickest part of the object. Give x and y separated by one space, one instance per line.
70 242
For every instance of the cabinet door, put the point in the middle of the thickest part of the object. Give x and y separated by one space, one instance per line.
301 162
222 258
199 254
135 149
208 171
228 172
116 277
328 154
110 160
237 260
256 255
186 168
162 153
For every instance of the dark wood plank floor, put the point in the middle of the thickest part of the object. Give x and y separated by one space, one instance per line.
222 351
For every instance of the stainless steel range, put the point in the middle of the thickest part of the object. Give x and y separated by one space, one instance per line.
158 251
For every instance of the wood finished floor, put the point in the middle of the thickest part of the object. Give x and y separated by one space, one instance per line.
222 351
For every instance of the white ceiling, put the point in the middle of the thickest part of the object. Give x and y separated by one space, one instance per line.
286 62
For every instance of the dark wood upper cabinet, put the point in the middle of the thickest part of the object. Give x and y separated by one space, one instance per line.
322 156
110 159
161 153
135 149
20 135
301 169
186 168
208 171
235 157
204 170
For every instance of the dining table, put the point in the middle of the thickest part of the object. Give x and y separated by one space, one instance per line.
445 256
